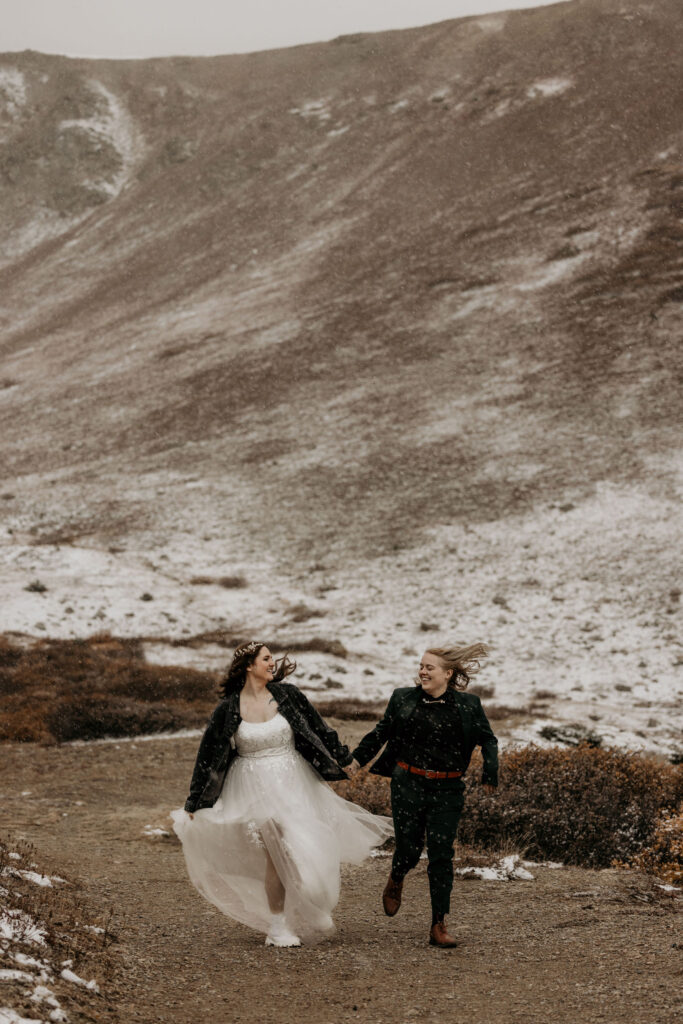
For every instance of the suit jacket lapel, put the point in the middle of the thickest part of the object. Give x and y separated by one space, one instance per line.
407 706
465 716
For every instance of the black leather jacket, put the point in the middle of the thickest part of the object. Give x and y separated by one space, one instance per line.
475 728
313 738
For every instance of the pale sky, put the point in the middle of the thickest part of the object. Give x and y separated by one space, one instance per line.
155 28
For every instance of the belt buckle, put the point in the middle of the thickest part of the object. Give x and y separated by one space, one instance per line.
431 775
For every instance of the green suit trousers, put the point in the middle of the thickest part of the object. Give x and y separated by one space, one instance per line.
426 809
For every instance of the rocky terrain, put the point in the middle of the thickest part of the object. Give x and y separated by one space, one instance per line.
387 327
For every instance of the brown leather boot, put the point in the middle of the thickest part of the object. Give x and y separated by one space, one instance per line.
439 936
391 897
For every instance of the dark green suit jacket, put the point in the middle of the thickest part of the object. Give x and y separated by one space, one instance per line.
476 732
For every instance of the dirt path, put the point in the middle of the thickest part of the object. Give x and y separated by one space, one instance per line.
570 946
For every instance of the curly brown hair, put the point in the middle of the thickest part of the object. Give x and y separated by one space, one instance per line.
244 656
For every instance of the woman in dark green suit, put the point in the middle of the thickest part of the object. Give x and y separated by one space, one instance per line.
430 731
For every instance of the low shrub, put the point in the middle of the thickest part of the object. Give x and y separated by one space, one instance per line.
664 855
482 690
302 613
582 805
36 587
317 644
573 734
60 690
349 709
228 640
370 791
228 582
497 712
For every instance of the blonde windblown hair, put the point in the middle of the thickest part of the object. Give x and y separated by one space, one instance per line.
463 660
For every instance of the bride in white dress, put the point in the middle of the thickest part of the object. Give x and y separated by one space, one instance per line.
262 833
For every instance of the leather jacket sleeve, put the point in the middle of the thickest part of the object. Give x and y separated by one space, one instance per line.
374 740
339 751
489 748
205 756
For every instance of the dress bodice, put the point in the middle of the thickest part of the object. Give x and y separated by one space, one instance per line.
264 739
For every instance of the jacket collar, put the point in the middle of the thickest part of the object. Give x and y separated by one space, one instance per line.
412 698
278 691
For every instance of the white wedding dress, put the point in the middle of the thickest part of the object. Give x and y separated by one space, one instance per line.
273 800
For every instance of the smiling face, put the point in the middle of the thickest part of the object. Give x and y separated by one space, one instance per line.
262 668
433 676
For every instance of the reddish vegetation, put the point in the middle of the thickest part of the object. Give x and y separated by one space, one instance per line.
582 806
579 806
663 856
61 690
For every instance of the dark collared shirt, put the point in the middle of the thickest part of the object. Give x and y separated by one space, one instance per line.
432 737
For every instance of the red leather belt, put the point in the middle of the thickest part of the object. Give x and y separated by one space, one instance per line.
428 774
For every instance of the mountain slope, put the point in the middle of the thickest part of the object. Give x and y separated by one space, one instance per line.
325 305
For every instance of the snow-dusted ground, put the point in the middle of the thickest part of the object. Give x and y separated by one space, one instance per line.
578 603
24 943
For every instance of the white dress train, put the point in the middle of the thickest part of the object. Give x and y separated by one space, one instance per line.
273 802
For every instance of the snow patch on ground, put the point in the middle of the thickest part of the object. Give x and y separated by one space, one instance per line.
30 961
150 832
114 125
44 881
506 870
549 87
180 734
16 926
42 994
491 22
9 1016
45 224
13 90
317 110
548 273
69 975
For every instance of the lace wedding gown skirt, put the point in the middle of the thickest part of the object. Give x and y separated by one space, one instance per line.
274 803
